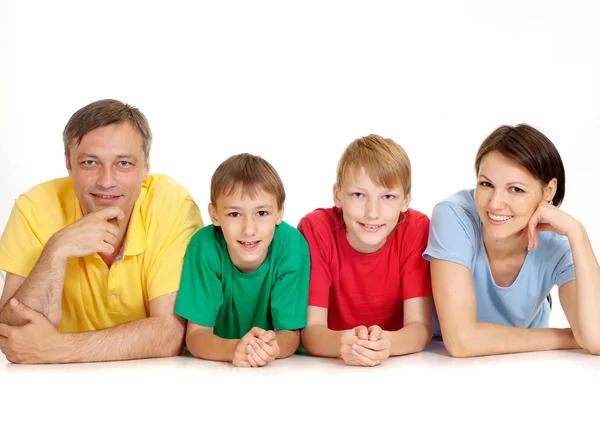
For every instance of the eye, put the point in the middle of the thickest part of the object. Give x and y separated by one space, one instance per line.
517 190
389 197
124 164
233 214
262 213
485 184
357 195
89 162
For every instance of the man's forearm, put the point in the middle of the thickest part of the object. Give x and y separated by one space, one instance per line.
288 341
411 338
211 347
41 291
318 340
160 336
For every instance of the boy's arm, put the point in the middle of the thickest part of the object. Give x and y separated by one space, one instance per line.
204 344
317 339
289 341
417 330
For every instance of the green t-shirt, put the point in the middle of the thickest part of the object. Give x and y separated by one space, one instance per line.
214 293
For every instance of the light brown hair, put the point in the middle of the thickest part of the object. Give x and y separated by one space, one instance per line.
384 161
531 149
103 113
252 174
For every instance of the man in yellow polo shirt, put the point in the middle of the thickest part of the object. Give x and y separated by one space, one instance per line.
93 260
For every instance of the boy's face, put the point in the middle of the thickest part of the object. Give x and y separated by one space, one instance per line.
371 212
248 226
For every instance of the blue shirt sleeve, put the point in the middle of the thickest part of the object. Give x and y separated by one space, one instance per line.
452 235
564 272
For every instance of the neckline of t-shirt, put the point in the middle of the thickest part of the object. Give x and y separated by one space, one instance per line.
252 274
350 251
489 268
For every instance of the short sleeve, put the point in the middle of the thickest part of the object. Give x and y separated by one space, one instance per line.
21 244
169 251
319 245
200 294
414 275
564 272
452 235
289 297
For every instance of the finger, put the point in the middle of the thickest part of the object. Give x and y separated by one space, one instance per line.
111 212
26 312
109 238
349 338
545 227
270 348
364 360
258 350
106 248
268 336
257 332
370 354
531 233
110 228
252 362
242 364
375 332
5 330
361 332
377 345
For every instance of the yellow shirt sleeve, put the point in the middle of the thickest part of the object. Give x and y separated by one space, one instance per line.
22 242
169 246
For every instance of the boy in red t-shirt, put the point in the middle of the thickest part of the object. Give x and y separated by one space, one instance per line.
370 289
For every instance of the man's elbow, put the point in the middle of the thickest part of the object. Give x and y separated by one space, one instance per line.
172 344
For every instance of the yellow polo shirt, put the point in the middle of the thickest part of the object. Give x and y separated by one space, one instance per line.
163 220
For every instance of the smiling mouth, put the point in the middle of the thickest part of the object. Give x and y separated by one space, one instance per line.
371 227
499 219
249 245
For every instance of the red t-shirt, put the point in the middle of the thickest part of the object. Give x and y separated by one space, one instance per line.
365 289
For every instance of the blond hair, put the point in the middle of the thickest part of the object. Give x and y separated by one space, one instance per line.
252 174
383 160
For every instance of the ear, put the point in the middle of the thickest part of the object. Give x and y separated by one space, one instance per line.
280 214
337 195
550 190
146 168
406 203
212 212
68 164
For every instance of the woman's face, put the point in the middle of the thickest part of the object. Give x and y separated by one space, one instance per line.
507 195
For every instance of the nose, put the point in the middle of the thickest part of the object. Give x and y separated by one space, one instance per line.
497 200
248 227
107 178
372 208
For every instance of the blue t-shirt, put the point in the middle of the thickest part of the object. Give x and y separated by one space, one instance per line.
455 236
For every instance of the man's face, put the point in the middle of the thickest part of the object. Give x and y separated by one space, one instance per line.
108 168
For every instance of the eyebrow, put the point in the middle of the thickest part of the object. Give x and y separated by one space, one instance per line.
509 183
119 156
262 206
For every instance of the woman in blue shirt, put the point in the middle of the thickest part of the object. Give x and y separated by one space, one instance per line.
497 250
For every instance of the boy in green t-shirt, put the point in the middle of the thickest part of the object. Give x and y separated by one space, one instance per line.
244 285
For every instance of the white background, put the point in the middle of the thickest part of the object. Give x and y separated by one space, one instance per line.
296 82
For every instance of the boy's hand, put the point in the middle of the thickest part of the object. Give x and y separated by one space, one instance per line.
347 349
263 350
240 356
376 348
